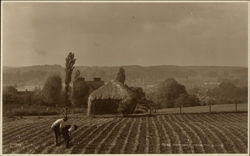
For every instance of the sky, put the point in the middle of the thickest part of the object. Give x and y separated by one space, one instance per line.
115 34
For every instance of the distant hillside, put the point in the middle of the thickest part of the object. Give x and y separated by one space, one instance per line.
142 76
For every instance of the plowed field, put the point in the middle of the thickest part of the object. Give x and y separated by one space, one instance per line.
173 133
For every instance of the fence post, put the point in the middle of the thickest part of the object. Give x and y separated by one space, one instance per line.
236 105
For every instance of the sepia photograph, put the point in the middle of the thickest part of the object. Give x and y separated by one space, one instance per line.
128 77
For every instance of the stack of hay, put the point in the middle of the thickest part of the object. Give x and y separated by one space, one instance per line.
112 98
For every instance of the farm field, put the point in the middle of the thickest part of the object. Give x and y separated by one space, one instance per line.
172 133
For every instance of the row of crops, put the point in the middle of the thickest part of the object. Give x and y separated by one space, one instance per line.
187 133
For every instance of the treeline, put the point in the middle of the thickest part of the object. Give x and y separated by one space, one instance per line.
53 93
171 94
168 94
227 93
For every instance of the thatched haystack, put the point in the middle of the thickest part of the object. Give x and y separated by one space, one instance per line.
112 98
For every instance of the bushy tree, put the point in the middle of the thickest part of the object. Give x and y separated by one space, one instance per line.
142 103
227 92
37 96
9 89
52 90
138 91
80 92
168 91
120 77
69 67
186 100
152 97
10 95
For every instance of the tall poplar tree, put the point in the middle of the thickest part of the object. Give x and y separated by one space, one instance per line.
69 67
